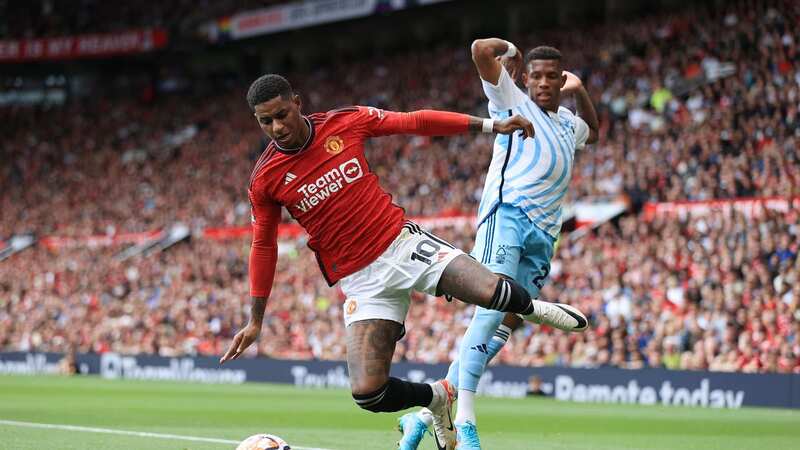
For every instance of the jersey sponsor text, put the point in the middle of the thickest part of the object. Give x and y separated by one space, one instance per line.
328 184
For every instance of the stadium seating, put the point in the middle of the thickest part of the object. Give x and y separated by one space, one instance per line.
720 292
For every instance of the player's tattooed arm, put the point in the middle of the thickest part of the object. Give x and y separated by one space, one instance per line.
249 334
257 310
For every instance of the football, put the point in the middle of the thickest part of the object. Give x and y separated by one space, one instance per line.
263 442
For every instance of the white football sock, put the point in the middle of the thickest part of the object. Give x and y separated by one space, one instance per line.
466 407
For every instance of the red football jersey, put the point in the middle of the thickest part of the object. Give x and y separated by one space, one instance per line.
329 189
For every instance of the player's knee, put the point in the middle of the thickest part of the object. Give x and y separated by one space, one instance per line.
490 288
364 386
509 296
487 288
371 398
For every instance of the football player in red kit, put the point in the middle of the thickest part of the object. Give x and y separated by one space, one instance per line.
316 169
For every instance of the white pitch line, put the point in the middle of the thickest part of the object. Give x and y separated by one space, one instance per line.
129 433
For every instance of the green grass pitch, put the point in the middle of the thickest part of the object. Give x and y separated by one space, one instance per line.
329 419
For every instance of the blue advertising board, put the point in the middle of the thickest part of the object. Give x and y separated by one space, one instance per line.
608 385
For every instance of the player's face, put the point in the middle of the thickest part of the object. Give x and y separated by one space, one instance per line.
544 79
281 120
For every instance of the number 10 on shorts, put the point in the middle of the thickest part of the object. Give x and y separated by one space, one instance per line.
426 249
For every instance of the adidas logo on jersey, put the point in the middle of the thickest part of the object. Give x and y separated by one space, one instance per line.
289 178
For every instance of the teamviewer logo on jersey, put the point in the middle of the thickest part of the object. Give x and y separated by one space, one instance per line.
351 170
328 184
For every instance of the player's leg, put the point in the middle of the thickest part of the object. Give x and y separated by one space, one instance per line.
370 347
429 257
498 246
410 424
534 268
471 282
510 323
473 357
446 270
484 338
374 314
453 273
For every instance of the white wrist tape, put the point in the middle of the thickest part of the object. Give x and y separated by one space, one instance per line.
488 126
511 52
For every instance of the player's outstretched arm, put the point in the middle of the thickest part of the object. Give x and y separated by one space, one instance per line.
249 334
430 123
512 124
490 54
574 86
263 260
438 123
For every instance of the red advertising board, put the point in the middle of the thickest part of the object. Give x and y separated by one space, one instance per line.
750 207
82 46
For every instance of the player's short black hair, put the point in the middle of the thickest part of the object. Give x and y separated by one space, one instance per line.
543 52
267 87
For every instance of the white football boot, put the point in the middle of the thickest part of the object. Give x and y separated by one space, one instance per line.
441 408
557 315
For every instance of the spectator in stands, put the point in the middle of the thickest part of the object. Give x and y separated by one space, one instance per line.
717 292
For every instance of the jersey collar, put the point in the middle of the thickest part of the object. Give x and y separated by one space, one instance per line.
305 145
551 114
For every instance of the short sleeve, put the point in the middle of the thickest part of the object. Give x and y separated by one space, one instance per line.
505 94
581 132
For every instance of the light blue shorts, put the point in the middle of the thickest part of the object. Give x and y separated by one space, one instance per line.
508 242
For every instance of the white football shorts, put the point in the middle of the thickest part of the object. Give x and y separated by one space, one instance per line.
415 260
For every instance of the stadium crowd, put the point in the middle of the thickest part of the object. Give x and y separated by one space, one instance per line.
50 18
691 109
718 292
173 160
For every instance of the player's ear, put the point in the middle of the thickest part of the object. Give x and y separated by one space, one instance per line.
297 101
563 79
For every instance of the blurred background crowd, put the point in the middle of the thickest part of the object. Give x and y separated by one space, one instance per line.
694 105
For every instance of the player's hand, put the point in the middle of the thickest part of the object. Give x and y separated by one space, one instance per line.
241 341
514 123
572 85
513 65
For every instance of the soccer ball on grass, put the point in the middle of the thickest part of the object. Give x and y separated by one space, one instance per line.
263 442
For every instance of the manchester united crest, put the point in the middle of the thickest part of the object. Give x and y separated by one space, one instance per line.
334 145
